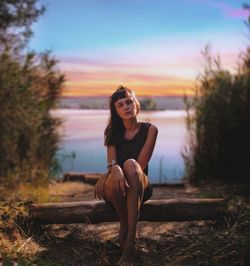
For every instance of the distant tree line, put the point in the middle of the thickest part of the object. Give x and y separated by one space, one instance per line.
219 130
30 85
148 104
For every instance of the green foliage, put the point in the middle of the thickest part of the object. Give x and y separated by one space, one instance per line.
148 104
30 85
219 128
16 18
29 88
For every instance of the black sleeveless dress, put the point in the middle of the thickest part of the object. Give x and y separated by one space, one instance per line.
130 149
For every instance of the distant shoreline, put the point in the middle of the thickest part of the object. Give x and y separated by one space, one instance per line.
160 103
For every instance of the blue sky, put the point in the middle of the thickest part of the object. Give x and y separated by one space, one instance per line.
152 46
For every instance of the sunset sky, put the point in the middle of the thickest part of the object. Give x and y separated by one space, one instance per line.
151 46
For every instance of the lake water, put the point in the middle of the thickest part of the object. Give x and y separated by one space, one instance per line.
82 148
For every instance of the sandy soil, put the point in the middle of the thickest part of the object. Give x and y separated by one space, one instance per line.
152 244
76 191
73 191
222 242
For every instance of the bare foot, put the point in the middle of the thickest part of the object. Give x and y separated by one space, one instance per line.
128 256
123 232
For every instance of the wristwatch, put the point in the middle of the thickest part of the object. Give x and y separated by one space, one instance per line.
113 162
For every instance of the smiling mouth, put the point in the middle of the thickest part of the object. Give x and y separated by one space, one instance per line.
128 113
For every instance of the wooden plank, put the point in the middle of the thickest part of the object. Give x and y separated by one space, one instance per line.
90 178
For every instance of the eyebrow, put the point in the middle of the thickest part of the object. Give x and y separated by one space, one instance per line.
118 101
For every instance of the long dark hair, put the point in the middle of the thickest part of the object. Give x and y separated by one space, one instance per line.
115 128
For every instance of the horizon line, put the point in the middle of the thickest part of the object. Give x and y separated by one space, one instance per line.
139 96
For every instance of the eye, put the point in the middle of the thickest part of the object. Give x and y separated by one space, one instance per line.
119 105
129 101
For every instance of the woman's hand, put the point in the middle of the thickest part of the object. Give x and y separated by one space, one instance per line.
121 185
120 182
99 187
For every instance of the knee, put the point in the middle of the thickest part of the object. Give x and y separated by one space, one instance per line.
116 172
132 170
130 167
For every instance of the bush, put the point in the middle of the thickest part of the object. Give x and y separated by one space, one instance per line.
219 128
29 88
148 104
30 85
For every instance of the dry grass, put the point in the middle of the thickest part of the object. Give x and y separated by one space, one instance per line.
15 243
224 242
25 192
70 191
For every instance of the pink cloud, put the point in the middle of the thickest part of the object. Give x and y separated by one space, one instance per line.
150 69
232 11
81 61
83 76
150 78
240 13
91 75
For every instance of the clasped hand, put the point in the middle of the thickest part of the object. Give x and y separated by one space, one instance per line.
120 184
99 187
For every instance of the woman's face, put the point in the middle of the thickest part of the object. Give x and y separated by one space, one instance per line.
126 107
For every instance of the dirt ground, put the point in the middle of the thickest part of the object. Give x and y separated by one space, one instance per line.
159 243
76 191
71 191
222 242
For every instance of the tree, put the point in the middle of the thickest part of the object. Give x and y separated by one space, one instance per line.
148 104
219 131
16 18
30 85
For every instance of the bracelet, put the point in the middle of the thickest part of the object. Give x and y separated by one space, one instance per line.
113 162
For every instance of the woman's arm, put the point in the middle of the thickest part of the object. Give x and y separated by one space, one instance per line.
111 154
120 181
148 147
99 187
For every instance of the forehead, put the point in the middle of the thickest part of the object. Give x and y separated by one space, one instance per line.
128 96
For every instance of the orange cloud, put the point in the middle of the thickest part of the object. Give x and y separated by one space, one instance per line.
176 88
170 75
104 82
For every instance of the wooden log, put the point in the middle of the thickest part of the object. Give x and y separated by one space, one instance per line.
181 209
91 178
73 176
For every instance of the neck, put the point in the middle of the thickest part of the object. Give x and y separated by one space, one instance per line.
131 124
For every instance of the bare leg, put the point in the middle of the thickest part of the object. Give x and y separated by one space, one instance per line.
137 182
119 203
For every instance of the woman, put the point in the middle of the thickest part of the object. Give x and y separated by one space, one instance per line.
130 145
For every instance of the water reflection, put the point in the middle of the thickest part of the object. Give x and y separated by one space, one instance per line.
83 137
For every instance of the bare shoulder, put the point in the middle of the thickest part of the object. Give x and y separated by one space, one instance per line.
152 132
153 129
